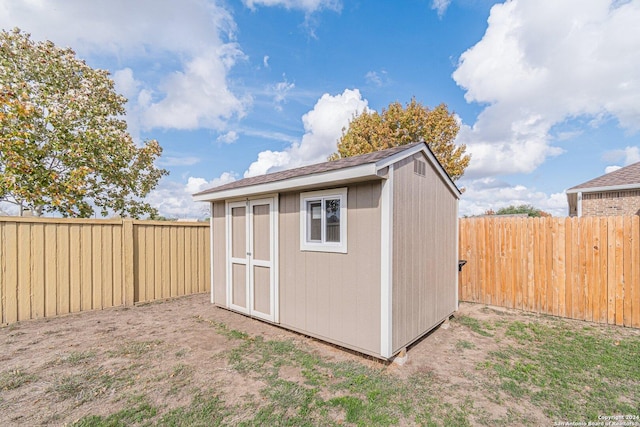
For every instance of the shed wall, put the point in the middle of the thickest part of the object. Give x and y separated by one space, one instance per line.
424 251
219 254
334 296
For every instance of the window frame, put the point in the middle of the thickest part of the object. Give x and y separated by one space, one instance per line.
322 196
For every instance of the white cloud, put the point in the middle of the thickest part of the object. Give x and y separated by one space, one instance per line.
542 62
196 33
268 134
280 91
627 156
440 6
567 135
228 138
126 84
195 184
323 127
489 193
173 199
610 169
166 161
308 6
130 88
198 96
376 78
269 161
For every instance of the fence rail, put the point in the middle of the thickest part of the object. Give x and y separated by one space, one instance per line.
582 268
50 267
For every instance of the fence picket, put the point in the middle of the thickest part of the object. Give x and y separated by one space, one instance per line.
594 276
588 292
635 272
627 283
604 268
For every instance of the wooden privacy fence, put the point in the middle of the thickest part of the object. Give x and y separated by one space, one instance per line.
50 267
582 268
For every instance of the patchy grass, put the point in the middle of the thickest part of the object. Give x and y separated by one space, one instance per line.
223 330
465 345
15 378
139 411
205 410
90 384
135 349
519 371
75 358
180 377
571 374
476 325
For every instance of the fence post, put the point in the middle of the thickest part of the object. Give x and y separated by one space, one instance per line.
128 255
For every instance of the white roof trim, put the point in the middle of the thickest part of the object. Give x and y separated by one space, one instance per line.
306 181
605 188
354 173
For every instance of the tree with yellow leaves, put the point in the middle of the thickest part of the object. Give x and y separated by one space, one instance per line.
372 131
64 147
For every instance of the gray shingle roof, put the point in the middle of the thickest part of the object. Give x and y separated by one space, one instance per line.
624 176
311 169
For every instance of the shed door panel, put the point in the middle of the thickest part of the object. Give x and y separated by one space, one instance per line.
239 232
238 280
261 282
262 290
239 285
251 285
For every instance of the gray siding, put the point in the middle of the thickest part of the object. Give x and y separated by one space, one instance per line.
424 252
219 254
334 296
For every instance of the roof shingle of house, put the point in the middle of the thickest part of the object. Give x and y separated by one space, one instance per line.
623 176
311 169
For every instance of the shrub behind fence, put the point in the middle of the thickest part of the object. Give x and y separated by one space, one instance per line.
582 268
50 266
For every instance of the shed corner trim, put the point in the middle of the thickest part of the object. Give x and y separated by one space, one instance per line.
386 265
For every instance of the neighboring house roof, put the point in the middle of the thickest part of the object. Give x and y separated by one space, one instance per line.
349 169
624 178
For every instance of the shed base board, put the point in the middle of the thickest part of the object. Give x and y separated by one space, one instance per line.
329 341
340 344
411 343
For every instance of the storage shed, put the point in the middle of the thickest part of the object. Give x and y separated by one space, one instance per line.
360 252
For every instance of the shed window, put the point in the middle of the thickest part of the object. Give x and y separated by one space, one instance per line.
323 221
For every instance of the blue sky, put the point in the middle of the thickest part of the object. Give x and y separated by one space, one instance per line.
547 92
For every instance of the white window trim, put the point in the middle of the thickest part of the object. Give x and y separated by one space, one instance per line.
339 247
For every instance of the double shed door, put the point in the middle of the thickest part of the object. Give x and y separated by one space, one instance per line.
251 258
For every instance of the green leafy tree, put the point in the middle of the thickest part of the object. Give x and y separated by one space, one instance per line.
64 146
398 125
530 210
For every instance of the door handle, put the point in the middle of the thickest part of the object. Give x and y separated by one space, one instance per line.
248 253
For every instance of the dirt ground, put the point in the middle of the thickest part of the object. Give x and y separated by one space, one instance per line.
147 349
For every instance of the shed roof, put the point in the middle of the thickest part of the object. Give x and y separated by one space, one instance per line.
361 167
624 178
